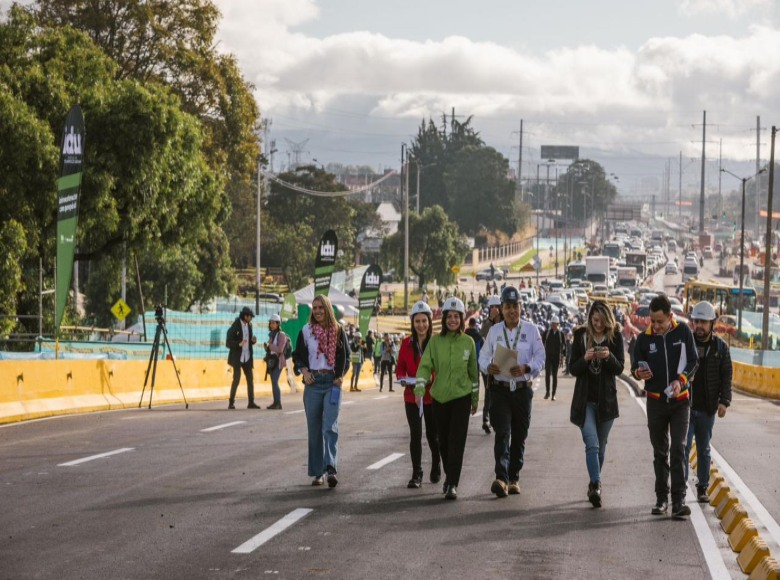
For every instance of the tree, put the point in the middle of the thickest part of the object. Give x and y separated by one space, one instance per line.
585 189
435 245
147 185
479 193
294 223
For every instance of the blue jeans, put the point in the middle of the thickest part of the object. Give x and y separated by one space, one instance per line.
353 381
274 374
700 425
510 415
322 420
595 435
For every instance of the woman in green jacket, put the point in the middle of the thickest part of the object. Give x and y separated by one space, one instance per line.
452 356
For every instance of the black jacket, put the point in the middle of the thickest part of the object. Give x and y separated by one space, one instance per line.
554 345
301 355
610 368
233 341
670 356
716 376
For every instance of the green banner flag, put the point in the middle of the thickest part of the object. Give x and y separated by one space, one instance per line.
326 262
288 307
68 188
369 290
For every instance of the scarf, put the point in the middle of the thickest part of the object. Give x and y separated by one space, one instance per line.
327 338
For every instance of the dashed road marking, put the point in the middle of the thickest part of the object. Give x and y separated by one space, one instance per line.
98 456
382 462
223 426
294 412
275 529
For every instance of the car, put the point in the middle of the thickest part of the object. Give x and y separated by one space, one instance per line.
575 282
587 285
708 252
486 274
671 268
559 301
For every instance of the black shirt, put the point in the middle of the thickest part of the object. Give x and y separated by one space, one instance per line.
594 370
699 391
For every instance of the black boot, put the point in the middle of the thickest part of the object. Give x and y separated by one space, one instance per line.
594 493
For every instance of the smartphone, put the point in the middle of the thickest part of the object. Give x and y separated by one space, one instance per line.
644 365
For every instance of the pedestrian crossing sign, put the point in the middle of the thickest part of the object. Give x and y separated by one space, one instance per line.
120 310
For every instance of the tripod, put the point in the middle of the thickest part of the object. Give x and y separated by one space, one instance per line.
153 362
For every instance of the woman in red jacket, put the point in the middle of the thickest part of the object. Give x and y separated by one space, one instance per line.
409 356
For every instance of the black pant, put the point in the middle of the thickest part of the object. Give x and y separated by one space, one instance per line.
486 404
250 381
551 370
664 419
386 366
452 426
415 430
510 415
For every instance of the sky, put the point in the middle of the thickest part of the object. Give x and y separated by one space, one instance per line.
627 82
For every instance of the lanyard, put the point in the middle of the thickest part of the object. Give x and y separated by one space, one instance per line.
506 338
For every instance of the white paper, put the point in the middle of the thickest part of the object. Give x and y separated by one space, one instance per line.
505 358
408 381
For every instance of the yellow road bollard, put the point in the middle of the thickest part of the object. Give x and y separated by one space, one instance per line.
767 569
719 493
732 517
751 556
742 534
715 479
725 504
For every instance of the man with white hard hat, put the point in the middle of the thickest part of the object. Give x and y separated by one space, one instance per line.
554 346
710 392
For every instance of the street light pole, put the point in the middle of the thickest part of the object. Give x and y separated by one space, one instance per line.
744 180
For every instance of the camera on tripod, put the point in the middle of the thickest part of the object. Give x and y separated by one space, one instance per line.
159 313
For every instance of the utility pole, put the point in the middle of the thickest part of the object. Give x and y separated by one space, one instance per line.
768 244
758 168
520 162
405 198
679 191
703 157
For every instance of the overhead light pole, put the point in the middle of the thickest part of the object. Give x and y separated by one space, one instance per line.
744 180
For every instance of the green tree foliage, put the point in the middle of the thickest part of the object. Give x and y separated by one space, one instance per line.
465 177
435 245
293 223
12 240
147 184
583 189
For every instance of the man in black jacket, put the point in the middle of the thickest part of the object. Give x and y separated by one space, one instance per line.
240 340
665 358
554 344
711 392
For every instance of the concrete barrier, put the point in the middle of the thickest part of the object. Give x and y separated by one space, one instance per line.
35 389
756 380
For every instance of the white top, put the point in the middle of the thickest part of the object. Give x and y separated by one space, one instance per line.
317 360
524 338
245 347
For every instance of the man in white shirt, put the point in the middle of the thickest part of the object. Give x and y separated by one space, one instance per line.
511 389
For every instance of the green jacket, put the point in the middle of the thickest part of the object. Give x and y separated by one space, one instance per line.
453 358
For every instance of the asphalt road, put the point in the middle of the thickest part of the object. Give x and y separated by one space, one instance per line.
175 501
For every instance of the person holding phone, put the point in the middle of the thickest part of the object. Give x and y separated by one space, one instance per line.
321 357
666 359
597 357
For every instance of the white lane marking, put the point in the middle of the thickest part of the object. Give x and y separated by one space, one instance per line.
277 528
382 462
712 553
347 403
98 456
382 397
294 412
755 504
218 427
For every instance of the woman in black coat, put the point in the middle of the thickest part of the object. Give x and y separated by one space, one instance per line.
596 359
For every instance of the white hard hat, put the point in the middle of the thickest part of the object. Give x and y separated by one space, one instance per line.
703 311
494 301
455 304
275 318
555 320
421 308
357 334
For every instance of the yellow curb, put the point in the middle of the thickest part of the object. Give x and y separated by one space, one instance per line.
732 517
751 556
742 534
715 480
767 569
719 493
726 504
694 461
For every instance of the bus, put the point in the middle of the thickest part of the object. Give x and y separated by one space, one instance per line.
612 249
575 270
723 297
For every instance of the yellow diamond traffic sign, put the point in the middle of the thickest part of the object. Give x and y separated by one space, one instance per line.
455 269
120 310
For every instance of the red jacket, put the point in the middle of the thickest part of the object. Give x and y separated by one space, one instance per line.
407 367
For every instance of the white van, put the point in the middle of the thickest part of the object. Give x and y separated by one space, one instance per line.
690 270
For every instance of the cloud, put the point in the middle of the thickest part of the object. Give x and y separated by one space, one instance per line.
731 8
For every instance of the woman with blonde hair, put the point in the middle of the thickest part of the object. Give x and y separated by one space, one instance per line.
596 359
321 357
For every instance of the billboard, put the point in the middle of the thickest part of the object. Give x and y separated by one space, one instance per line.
560 152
